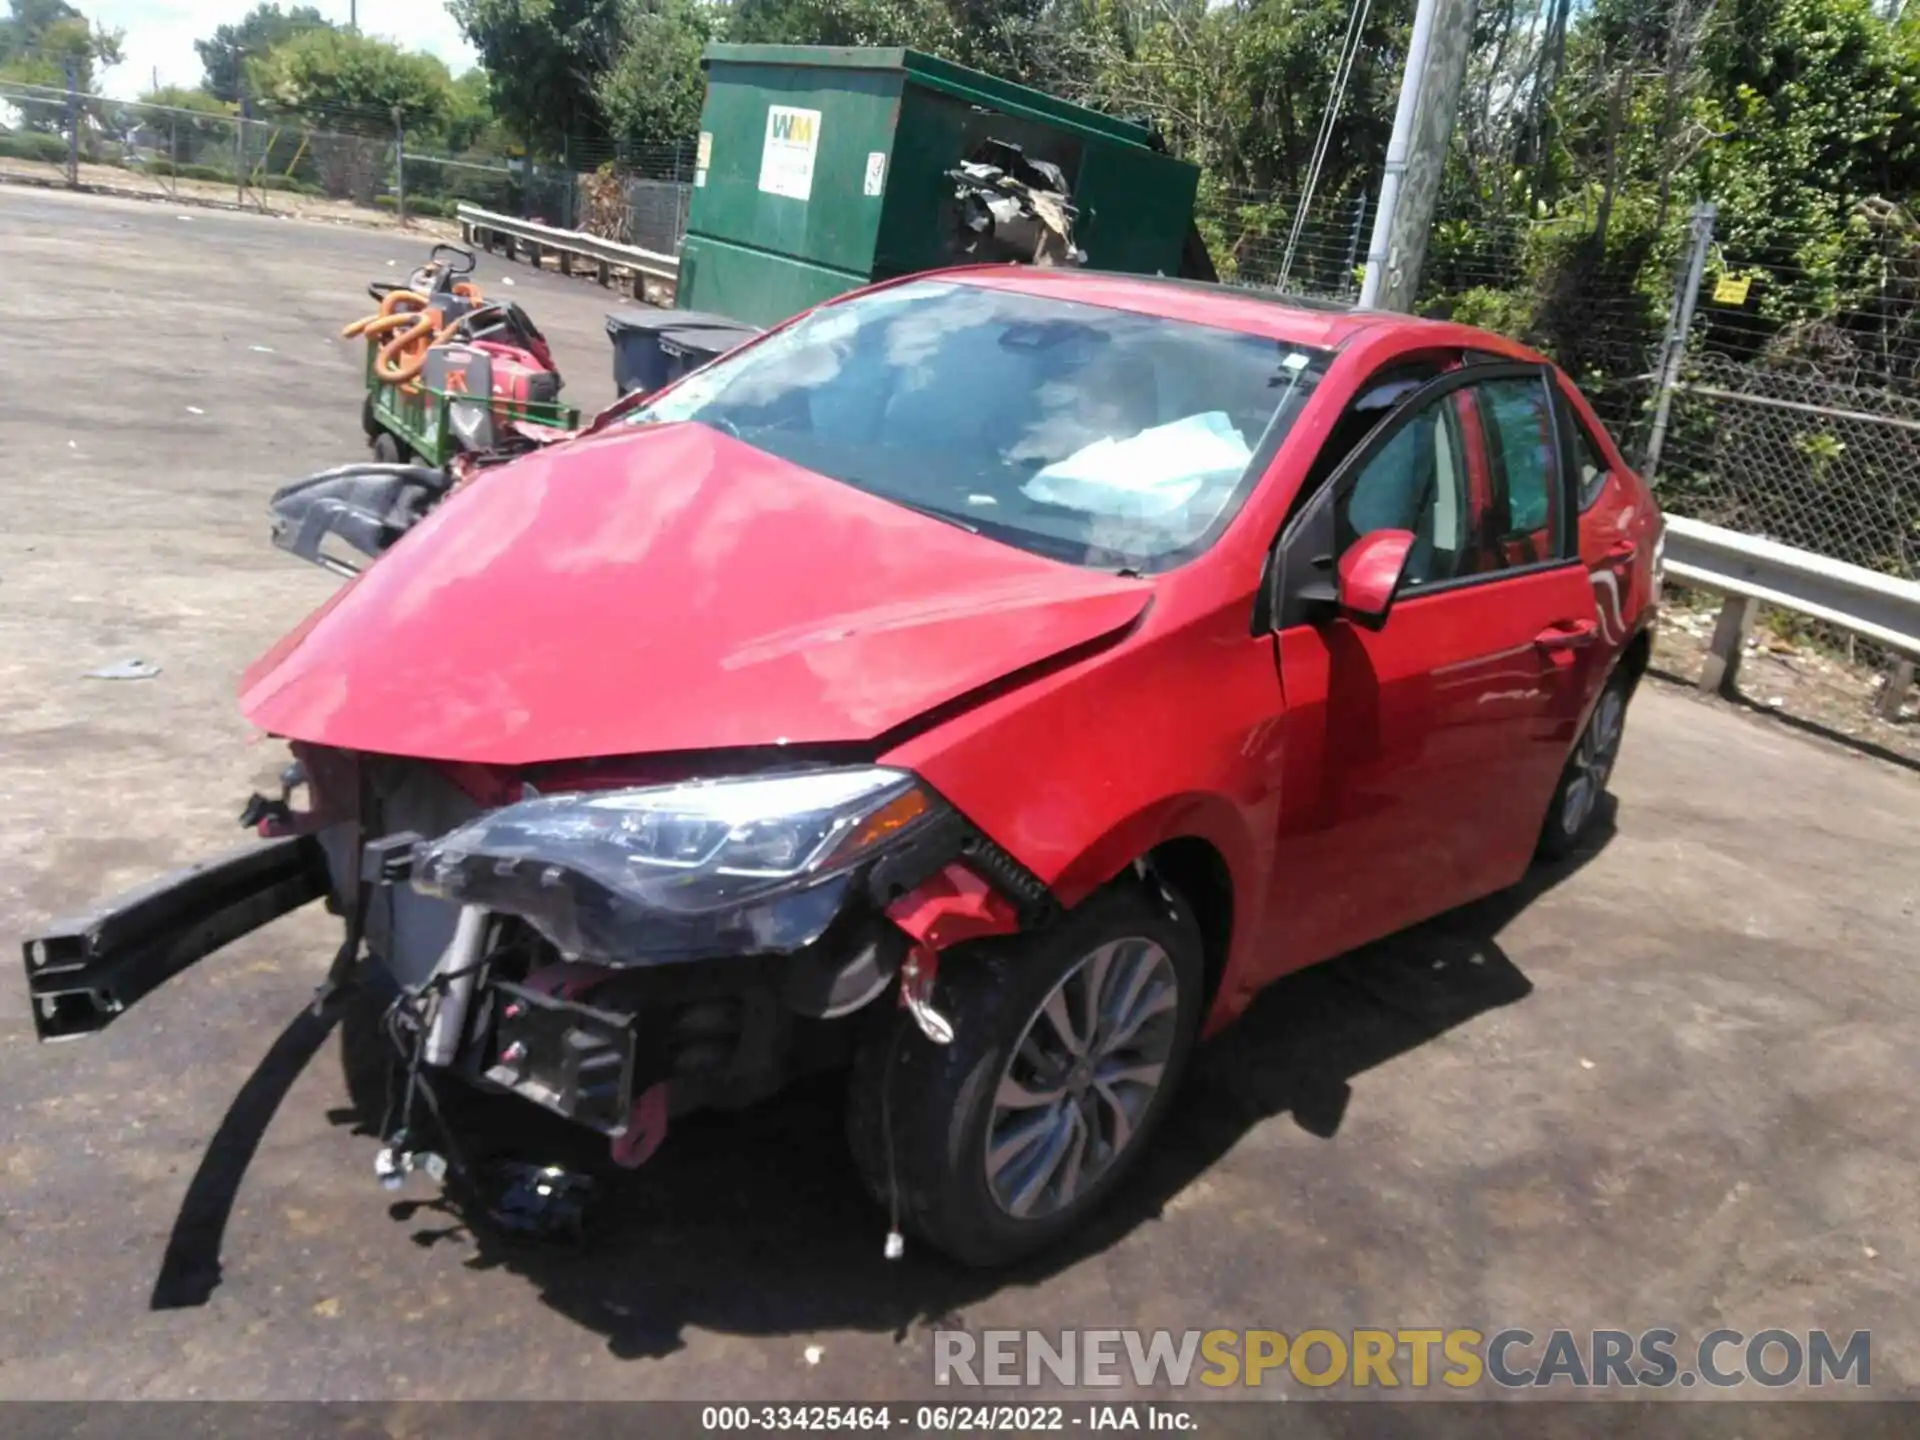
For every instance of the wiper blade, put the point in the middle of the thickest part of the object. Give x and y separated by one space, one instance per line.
934 513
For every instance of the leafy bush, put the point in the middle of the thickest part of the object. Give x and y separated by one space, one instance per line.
418 205
31 145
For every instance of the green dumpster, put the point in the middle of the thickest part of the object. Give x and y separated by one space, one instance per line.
822 168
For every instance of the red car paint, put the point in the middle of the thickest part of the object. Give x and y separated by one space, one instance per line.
673 589
667 589
1370 570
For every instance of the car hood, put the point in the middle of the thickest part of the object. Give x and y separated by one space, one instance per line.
667 589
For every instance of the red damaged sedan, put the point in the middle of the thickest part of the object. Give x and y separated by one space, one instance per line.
986 682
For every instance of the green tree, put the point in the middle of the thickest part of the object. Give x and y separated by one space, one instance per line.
342 80
470 123
543 59
223 53
46 42
652 94
195 124
923 24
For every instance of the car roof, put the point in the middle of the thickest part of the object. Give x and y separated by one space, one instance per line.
1292 319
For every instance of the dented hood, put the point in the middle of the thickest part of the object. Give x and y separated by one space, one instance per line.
666 589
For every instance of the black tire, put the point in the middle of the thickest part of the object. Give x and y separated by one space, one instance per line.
938 1099
1567 824
387 450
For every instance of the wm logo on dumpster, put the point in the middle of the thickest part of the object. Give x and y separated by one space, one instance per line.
794 125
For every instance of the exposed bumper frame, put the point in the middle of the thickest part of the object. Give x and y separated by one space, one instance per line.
85 972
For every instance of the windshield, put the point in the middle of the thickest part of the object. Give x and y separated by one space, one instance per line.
1086 434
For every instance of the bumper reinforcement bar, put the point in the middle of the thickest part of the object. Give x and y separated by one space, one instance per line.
83 973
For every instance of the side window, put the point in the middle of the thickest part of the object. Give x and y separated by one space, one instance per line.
1526 524
1593 465
1418 481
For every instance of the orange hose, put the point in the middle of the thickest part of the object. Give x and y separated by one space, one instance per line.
419 328
389 305
413 344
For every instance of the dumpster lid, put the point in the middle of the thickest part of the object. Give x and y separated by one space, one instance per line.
973 86
662 322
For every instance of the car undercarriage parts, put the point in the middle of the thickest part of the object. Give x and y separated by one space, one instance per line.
367 506
458 966
539 1202
1013 208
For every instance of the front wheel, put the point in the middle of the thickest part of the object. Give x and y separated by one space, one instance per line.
1068 1046
1576 799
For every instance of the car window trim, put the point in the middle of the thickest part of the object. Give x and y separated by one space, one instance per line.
1270 608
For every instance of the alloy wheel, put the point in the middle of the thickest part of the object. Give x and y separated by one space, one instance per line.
1086 1068
1592 761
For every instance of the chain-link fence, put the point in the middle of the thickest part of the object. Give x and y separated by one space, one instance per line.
1263 239
353 162
1796 412
1823 465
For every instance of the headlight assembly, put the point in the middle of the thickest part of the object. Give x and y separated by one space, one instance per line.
756 864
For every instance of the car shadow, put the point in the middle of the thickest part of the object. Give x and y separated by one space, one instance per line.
755 1223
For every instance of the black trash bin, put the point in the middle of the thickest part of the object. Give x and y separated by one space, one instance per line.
654 347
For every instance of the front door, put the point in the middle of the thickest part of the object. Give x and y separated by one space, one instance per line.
1420 756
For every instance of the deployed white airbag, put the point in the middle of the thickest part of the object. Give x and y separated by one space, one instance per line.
1149 474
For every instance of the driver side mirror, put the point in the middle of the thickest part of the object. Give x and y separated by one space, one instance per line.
1370 573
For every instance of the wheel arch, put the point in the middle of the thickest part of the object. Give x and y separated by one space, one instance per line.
1196 870
1202 847
1637 656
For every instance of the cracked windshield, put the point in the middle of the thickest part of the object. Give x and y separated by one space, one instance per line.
1090 435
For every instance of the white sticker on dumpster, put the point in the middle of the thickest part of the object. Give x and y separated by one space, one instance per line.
876 171
786 164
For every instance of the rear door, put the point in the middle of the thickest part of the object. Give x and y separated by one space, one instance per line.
1420 756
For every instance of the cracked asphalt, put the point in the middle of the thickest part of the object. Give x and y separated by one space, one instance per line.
1668 1084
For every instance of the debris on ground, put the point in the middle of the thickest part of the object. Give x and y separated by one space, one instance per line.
129 669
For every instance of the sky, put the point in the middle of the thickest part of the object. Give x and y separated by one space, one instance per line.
160 34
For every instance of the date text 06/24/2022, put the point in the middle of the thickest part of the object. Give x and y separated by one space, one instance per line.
944 1419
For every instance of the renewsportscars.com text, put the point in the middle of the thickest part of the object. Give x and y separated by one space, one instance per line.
1410 1358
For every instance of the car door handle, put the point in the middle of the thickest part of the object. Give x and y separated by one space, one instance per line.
1567 635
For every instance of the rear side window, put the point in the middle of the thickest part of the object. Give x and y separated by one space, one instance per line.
1520 437
1593 465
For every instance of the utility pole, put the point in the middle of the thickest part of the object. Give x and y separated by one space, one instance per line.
1417 152
73 122
240 126
400 165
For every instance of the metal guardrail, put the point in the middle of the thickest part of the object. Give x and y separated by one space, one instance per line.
489 229
1751 571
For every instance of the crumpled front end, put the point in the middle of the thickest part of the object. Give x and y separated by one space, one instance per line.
614 952
619 955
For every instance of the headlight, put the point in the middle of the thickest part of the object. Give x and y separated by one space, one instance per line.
680 871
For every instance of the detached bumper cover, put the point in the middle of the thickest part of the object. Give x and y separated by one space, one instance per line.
84 972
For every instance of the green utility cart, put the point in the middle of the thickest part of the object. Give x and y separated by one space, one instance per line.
821 169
